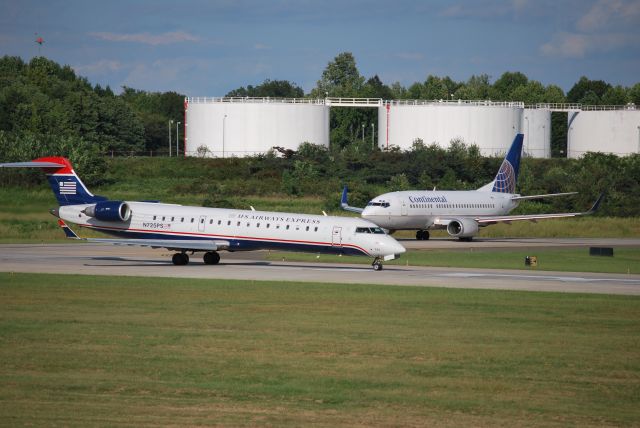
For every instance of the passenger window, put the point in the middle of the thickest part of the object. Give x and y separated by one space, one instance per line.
307 229
192 219
219 222
210 221
315 229
154 217
238 224
172 218
257 224
228 222
162 218
182 220
287 227
268 225
201 221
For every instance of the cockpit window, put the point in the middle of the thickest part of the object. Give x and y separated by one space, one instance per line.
376 230
378 204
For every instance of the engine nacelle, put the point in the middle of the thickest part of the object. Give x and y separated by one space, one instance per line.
109 211
462 228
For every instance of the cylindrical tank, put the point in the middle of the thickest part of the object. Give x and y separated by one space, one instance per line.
536 127
489 125
227 127
608 131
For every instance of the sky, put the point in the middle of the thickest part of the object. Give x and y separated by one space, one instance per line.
207 48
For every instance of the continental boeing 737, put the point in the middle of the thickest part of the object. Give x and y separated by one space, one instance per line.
461 213
188 229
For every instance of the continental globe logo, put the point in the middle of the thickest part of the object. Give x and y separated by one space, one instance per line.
505 179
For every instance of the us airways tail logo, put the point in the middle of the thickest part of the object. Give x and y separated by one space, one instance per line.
505 179
67 187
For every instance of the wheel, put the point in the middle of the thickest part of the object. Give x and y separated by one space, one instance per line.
211 258
180 259
419 235
377 266
466 239
425 235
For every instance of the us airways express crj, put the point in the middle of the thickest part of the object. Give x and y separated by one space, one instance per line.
188 229
461 213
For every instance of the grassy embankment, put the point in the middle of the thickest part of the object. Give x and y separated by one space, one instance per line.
80 350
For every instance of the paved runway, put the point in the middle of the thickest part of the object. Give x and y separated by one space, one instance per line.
96 259
520 243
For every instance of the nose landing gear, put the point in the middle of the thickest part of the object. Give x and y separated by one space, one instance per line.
377 264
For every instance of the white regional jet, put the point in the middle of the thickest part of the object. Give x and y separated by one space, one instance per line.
195 229
461 213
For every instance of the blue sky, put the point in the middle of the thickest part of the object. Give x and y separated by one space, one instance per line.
207 48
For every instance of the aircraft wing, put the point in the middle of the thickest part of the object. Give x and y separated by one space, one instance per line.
169 244
345 206
548 195
483 221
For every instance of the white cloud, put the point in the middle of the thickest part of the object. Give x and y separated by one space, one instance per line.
104 66
261 46
610 14
573 45
147 38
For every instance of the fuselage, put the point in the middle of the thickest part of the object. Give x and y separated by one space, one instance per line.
410 210
245 230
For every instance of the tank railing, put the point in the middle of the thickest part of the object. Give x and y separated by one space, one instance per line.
443 102
258 100
355 102
373 102
577 106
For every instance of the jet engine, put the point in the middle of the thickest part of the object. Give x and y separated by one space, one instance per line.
109 211
463 228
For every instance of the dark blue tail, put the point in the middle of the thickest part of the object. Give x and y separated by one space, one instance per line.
507 176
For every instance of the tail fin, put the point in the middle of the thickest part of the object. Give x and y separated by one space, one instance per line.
507 176
65 183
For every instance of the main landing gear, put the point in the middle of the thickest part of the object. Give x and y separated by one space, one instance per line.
180 259
210 258
422 235
377 264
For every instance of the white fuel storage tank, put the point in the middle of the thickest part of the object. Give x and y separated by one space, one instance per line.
489 125
536 127
596 129
227 127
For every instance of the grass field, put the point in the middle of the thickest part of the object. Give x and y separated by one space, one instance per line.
625 260
84 351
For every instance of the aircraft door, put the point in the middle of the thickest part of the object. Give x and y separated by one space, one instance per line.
336 236
403 208
202 222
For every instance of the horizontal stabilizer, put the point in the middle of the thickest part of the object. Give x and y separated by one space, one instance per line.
32 165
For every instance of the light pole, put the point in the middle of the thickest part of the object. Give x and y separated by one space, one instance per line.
638 139
177 138
223 125
363 132
373 131
170 123
544 141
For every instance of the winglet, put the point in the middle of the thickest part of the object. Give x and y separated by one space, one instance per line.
67 230
596 204
345 205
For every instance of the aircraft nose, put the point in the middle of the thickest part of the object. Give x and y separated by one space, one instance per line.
398 248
